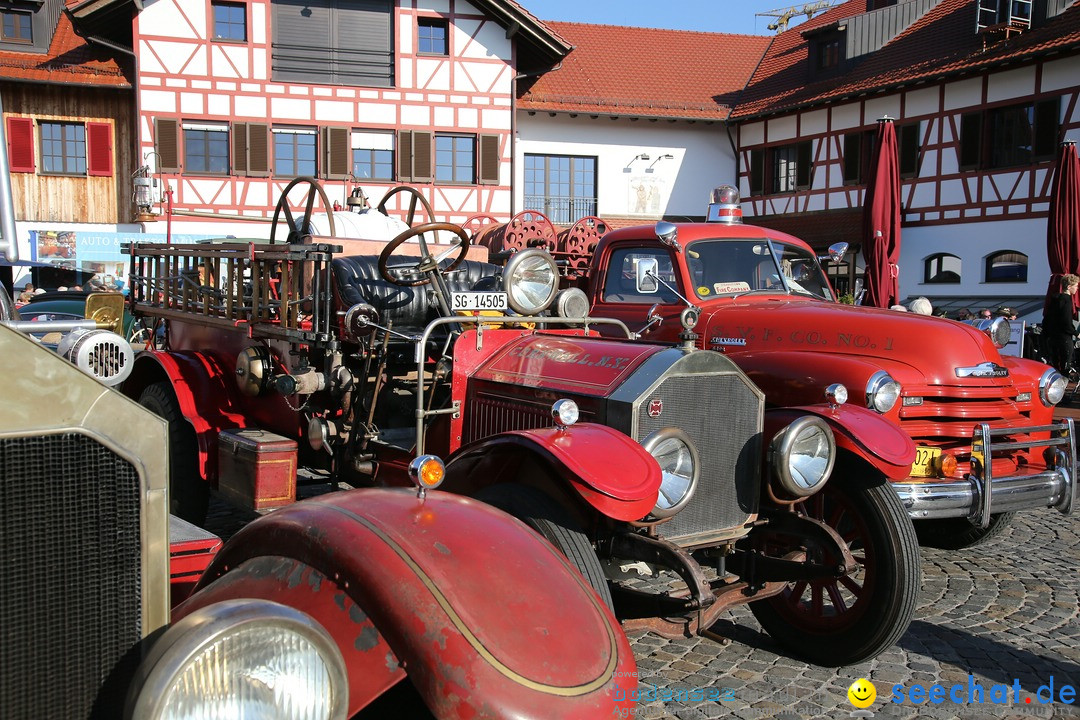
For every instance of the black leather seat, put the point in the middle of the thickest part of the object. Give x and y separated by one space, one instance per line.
409 308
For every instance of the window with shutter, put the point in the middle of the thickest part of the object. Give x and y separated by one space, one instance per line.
20 144
757 172
335 156
258 149
1047 118
970 140
805 165
166 131
853 143
489 160
334 41
907 137
405 154
421 160
240 148
99 155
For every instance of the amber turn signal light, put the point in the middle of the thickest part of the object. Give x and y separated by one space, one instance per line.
946 464
427 472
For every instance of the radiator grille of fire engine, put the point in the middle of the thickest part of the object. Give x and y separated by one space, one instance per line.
721 417
70 604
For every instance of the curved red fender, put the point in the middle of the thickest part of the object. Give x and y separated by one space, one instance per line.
611 471
862 431
486 618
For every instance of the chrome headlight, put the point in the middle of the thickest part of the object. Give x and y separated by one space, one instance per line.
999 330
243 658
679 467
531 280
882 392
803 454
1052 386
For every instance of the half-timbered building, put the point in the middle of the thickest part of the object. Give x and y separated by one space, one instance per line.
982 92
235 99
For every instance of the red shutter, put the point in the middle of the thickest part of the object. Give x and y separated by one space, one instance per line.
99 155
20 142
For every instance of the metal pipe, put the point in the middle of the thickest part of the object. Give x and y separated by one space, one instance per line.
43 326
9 241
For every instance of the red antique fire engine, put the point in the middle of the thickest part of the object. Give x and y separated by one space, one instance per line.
982 421
333 362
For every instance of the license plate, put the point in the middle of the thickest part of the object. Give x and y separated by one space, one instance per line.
925 464
478 301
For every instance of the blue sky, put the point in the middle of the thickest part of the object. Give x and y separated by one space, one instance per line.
733 16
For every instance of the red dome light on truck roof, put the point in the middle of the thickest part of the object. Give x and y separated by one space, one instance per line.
724 205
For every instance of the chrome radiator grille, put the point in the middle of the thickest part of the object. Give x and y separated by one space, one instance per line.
721 415
70 605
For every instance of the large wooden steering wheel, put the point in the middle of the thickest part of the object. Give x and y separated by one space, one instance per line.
298 231
416 196
426 265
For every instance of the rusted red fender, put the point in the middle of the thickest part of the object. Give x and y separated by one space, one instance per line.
199 381
611 471
862 431
487 619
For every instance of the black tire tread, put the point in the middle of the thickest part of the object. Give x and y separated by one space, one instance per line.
189 494
959 533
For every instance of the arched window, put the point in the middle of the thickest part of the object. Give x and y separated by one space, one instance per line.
1006 266
941 268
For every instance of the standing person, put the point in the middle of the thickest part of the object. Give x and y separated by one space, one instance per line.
27 293
1058 327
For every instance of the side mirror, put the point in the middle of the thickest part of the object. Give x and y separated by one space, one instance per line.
645 281
837 251
667 233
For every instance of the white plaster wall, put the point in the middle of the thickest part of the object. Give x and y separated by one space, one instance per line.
703 158
1010 84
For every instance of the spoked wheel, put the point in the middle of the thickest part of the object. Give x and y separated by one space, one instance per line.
537 510
958 533
301 228
843 620
416 198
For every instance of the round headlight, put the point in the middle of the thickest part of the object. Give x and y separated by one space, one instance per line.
803 454
243 658
882 392
565 412
679 468
999 330
1052 386
531 280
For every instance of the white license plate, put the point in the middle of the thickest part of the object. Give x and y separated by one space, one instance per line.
478 301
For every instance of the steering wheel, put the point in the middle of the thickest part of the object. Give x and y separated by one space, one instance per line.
300 230
425 264
416 196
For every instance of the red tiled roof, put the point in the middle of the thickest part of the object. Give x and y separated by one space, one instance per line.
941 43
645 72
70 60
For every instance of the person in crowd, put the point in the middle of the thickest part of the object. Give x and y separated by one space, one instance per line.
1006 312
27 293
921 306
963 314
1058 326
985 314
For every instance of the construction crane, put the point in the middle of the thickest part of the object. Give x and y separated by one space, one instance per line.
784 15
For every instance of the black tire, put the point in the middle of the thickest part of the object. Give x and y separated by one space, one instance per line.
189 494
843 621
959 533
537 510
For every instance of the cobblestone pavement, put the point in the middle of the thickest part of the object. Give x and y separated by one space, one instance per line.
993 615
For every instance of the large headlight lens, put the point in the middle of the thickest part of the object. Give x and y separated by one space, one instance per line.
678 460
243 659
803 454
882 392
531 281
1052 387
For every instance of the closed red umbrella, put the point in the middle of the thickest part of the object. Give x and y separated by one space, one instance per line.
881 220
1063 225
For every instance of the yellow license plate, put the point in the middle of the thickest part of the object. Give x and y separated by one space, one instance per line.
926 464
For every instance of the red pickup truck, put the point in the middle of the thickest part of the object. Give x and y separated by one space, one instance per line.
982 422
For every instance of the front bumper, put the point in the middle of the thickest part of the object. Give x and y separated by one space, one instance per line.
980 494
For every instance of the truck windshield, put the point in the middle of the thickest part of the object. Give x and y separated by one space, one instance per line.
733 267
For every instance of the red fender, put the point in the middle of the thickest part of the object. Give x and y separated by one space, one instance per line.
869 435
612 472
488 619
205 397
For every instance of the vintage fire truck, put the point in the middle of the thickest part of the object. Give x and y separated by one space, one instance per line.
987 444
329 361
335 607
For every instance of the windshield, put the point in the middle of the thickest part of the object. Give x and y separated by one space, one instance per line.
732 267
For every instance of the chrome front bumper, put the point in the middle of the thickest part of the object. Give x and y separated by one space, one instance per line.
980 494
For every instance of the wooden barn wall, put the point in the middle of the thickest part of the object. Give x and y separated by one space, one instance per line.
50 198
